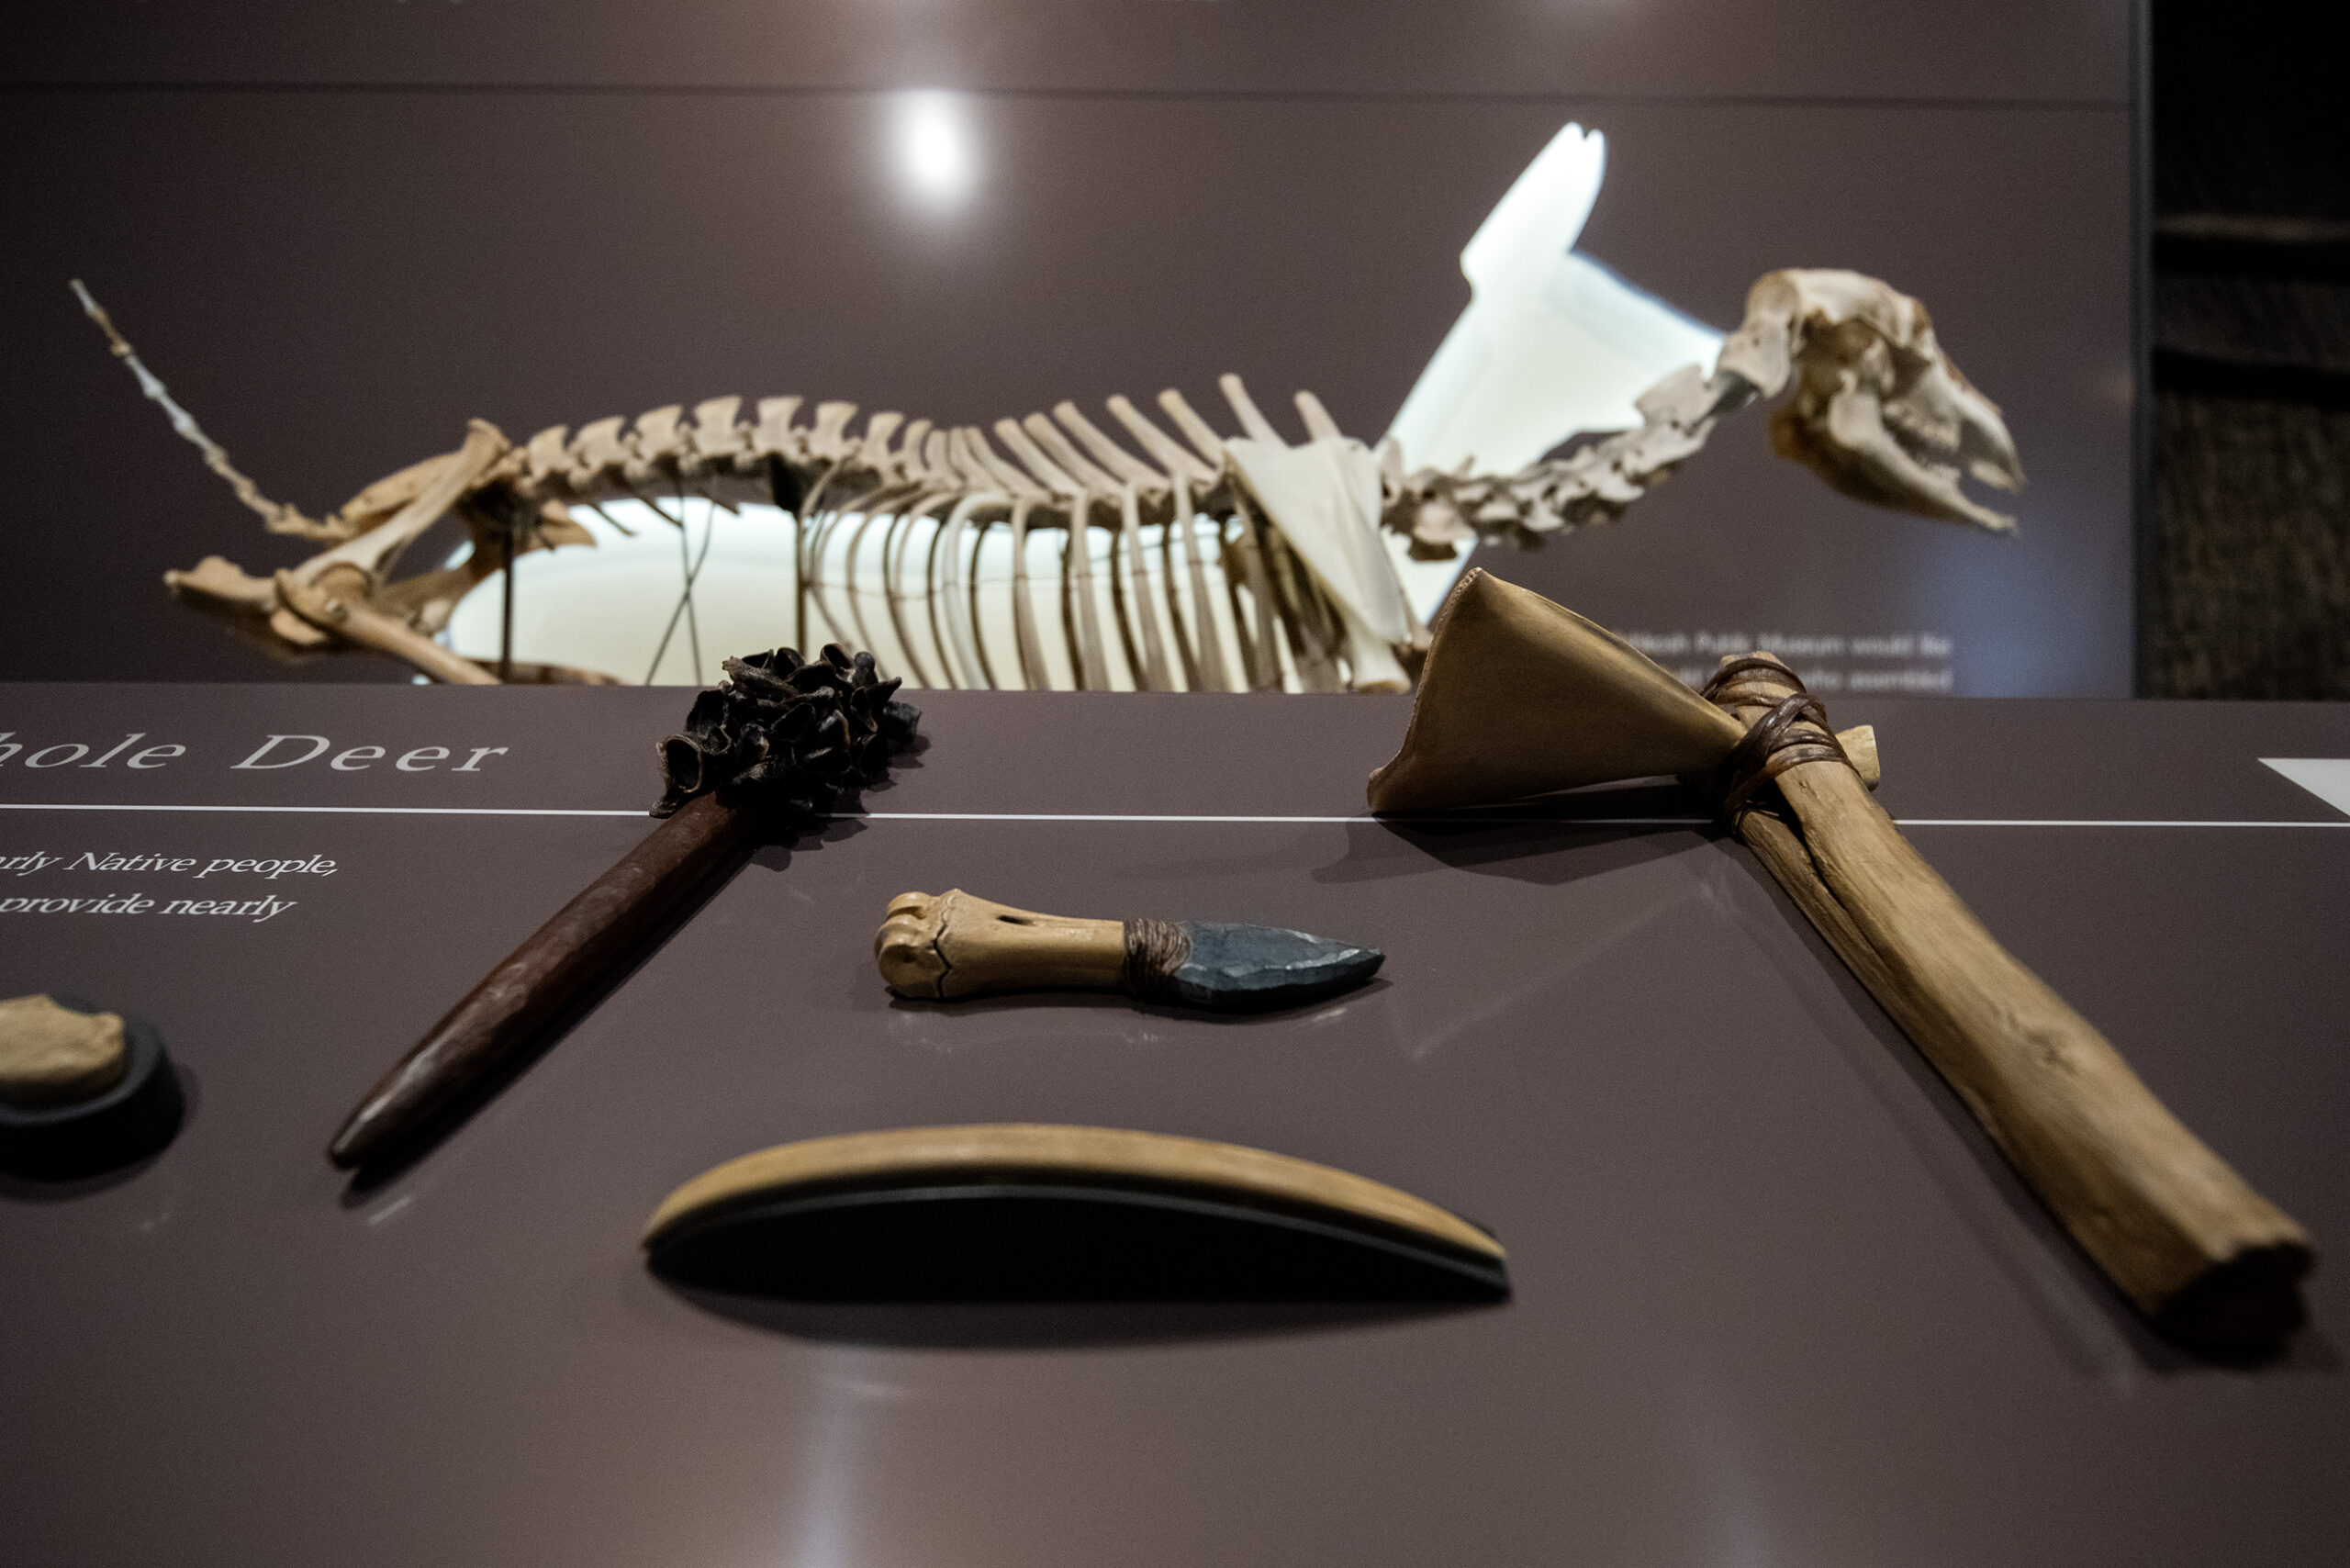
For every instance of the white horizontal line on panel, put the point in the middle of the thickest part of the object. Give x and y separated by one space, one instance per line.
1094 817
1462 821
341 810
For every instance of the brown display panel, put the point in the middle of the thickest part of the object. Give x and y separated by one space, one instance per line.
1774 1296
340 232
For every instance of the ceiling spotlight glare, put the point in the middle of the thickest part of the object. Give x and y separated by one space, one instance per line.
935 157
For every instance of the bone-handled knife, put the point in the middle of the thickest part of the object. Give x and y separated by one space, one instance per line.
945 946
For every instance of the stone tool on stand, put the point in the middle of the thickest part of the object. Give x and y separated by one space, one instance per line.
762 755
82 1090
1521 697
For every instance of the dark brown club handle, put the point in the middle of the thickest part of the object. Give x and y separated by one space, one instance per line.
538 979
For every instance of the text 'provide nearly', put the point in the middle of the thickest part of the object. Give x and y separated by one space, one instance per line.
254 909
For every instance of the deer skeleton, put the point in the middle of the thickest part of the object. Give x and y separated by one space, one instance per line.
1288 537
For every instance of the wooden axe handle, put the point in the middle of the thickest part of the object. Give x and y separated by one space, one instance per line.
2183 1236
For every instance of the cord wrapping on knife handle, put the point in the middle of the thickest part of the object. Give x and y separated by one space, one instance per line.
1154 950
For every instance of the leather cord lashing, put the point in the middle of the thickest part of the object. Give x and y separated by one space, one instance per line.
1154 950
1793 733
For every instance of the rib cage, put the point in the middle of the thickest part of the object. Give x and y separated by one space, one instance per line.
1237 610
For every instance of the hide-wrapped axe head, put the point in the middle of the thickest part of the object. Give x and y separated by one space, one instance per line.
1521 697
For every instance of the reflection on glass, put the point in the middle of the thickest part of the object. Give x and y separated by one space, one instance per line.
935 156
1552 344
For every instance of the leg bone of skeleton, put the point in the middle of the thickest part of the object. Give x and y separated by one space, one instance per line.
221 585
352 620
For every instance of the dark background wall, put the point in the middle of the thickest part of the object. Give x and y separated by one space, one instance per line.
339 231
2252 355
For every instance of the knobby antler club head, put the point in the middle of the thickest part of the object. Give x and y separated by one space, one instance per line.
1521 697
780 743
788 737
